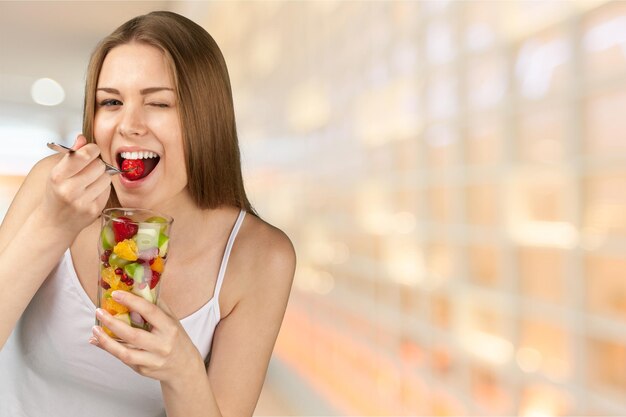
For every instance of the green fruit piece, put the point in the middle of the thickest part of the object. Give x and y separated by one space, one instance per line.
135 270
125 317
107 237
147 236
144 292
158 219
117 262
164 241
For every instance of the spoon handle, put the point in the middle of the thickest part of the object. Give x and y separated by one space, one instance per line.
110 169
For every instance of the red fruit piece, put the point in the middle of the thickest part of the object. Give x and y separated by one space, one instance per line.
135 167
155 279
105 255
123 228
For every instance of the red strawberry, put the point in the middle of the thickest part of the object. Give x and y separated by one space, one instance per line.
135 168
123 228
155 279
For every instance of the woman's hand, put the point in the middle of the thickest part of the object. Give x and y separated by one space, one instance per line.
78 188
166 353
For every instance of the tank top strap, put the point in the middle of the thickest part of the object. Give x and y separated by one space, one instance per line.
229 247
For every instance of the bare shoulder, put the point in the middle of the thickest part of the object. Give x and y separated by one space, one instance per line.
265 258
266 242
269 249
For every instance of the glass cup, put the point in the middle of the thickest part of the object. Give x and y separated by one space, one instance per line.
133 247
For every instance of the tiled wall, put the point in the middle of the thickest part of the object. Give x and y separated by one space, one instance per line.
452 176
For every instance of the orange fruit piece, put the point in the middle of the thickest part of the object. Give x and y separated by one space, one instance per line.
110 277
126 249
157 265
112 306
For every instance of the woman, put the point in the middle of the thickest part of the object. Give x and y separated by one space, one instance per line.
158 89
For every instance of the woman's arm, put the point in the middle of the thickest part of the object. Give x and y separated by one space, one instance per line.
59 197
243 341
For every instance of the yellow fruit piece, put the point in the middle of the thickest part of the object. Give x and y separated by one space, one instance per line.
126 249
109 276
157 265
115 283
112 306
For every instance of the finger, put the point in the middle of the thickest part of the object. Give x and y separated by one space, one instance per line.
129 356
95 190
75 162
136 337
92 172
150 312
75 187
79 142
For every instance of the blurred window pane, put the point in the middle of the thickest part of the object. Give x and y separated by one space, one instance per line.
441 260
441 96
604 210
541 66
606 285
605 367
441 146
604 41
482 19
440 42
484 265
605 123
439 200
484 141
441 310
551 342
542 273
545 400
486 82
490 392
542 135
483 204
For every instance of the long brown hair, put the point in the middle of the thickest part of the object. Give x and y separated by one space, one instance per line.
205 100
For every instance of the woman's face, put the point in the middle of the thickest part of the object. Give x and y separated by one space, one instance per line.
137 125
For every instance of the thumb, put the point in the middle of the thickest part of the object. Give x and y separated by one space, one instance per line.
80 141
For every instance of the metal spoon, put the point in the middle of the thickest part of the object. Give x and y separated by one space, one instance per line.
110 169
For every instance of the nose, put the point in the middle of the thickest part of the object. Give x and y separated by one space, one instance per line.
132 122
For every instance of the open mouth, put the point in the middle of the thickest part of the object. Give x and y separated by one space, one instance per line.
138 164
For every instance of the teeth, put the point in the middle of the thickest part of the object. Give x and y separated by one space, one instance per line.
139 155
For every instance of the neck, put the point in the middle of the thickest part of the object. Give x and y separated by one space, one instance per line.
190 221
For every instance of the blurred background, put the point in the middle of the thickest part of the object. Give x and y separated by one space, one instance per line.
452 175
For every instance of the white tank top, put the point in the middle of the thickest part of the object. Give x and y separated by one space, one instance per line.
48 368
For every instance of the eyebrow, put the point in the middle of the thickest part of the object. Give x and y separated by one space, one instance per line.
144 91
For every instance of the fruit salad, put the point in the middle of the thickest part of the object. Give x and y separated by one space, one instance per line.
133 248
